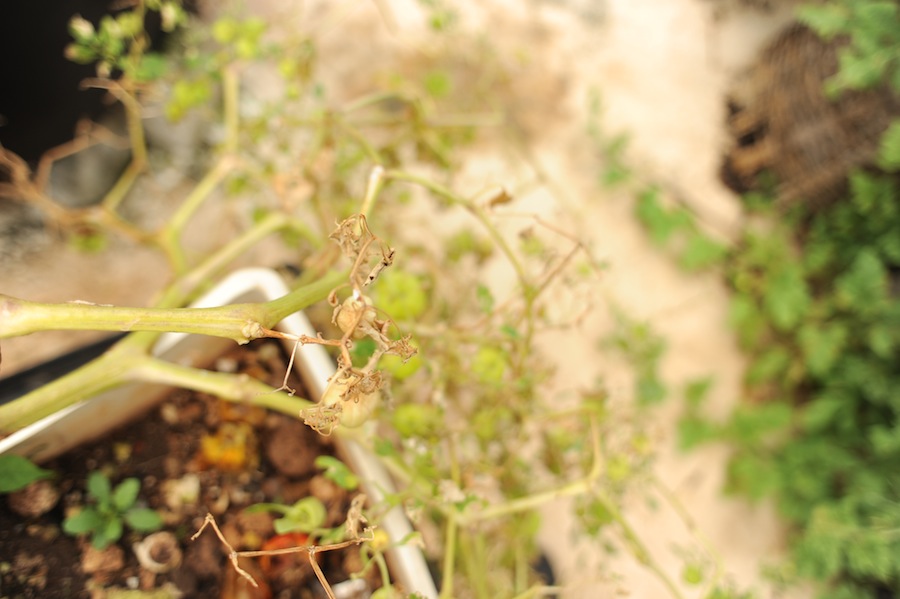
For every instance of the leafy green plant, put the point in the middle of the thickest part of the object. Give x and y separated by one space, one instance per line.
109 509
825 338
816 308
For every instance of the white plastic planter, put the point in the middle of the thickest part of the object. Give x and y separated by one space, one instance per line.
91 419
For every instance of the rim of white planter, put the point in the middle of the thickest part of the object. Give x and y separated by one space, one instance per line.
80 423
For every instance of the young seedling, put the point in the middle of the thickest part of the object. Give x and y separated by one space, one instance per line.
109 510
306 515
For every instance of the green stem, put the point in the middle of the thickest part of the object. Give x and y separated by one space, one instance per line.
185 286
450 535
238 388
124 363
530 502
240 322
478 213
230 97
234 322
169 236
383 571
637 547
134 123
106 372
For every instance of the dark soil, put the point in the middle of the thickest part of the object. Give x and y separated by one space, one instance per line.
250 456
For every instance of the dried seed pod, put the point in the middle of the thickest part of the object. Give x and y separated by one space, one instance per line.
354 405
356 314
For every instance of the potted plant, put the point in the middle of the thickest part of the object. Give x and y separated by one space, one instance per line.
88 420
439 324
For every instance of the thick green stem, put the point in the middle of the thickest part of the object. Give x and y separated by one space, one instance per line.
240 322
106 372
124 363
21 317
238 388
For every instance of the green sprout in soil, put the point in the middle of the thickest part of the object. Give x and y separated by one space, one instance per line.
109 509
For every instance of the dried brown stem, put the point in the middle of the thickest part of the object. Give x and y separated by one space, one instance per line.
311 551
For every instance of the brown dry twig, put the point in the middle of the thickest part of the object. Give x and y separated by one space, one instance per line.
311 550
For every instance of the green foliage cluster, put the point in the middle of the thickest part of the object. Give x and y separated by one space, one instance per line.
109 509
872 54
816 311
870 58
118 43
817 308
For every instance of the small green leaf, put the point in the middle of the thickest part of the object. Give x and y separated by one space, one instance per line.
306 515
822 411
701 252
695 391
595 515
751 475
692 574
753 425
864 284
769 366
84 521
337 472
98 487
822 346
485 299
489 365
143 519
151 67
650 389
880 341
510 331
889 150
787 297
109 532
225 30
747 319
438 84
17 473
125 494
653 216
694 430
